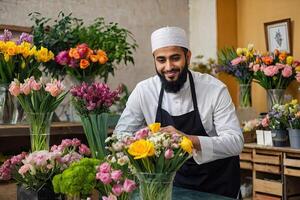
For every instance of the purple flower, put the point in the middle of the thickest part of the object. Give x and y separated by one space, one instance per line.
7 35
25 37
62 58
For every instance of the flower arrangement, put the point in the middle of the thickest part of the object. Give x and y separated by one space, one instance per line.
237 63
39 100
251 125
67 31
293 110
20 59
82 62
78 180
277 118
275 71
92 102
36 170
113 180
155 157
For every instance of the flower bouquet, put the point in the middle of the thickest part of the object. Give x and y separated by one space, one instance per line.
82 62
92 102
35 171
238 64
155 157
275 72
39 101
294 123
114 180
18 60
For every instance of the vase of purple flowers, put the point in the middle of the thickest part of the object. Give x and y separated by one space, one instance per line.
92 103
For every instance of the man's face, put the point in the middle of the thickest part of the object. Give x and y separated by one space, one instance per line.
170 62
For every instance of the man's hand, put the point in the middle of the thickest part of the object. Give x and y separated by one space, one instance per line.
193 138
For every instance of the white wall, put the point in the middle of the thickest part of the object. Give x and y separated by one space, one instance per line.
203 28
141 17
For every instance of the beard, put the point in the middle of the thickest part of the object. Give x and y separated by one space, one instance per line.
174 86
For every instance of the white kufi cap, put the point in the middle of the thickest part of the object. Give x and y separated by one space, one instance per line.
169 36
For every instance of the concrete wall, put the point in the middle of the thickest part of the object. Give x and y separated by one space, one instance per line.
141 17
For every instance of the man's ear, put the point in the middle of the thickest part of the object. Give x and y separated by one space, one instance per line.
188 57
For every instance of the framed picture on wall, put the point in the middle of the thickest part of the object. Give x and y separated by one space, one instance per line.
278 35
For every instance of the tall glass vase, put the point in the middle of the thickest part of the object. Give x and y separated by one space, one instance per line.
245 100
39 124
156 186
95 128
274 96
8 106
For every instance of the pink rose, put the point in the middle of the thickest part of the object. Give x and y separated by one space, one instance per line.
141 134
104 178
110 197
105 167
287 71
116 175
256 67
24 169
129 185
169 154
270 70
55 88
83 149
117 189
14 89
238 60
265 122
33 84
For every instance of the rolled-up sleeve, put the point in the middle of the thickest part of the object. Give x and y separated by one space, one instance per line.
229 139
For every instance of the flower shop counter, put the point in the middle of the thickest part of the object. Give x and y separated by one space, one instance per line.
275 170
15 138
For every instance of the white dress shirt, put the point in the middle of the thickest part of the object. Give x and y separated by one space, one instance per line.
215 106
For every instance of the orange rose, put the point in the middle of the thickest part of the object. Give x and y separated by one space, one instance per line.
282 56
73 53
94 58
267 60
84 63
101 53
103 59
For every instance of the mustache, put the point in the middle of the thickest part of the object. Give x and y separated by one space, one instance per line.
172 70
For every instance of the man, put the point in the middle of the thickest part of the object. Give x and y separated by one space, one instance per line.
197 105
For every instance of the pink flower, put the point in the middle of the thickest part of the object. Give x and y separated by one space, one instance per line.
110 197
141 134
105 167
25 88
104 178
55 88
265 122
75 142
238 60
298 77
14 88
270 70
116 175
117 189
24 169
287 71
169 154
129 185
256 67
83 149
62 58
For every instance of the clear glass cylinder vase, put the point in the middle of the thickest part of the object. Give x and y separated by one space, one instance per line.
8 106
274 96
39 124
95 128
156 186
245 100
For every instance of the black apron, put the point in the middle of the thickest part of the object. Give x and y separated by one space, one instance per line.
220 176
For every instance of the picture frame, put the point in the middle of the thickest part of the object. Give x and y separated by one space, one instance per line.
278 35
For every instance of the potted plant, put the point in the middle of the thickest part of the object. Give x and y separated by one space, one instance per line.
294 123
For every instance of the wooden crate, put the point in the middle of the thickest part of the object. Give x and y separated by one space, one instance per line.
267 157
291 163
259 196
246 159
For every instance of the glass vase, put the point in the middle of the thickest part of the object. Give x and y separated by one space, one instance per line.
245 96
274 96
39 124
95 128
8 106
156 186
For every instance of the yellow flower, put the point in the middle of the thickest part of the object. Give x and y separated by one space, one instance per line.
155 127
297 68
44 55
6 57
294 101
141 149
186 144
289 60
239 51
